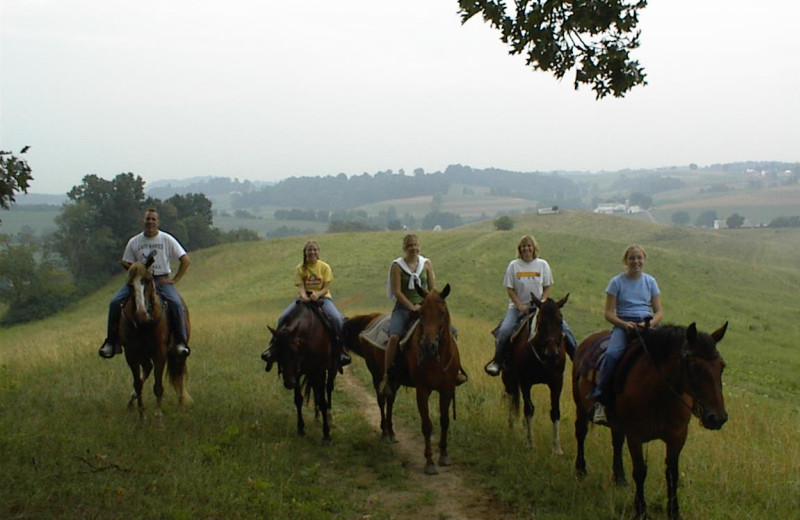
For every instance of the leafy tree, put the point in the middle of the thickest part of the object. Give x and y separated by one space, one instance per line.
680 218
504 223
95 225
735 221
31 289
640 199
593 37
15 176
706 218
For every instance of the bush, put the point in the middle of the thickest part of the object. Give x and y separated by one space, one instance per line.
504 223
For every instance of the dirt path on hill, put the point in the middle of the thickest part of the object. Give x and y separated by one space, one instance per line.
443 496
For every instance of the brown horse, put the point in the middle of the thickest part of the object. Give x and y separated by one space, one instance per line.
373 356
431 362
145 333
539 360
666 375
302 348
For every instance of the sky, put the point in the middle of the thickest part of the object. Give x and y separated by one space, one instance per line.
265 90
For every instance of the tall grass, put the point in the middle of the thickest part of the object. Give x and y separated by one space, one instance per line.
69 449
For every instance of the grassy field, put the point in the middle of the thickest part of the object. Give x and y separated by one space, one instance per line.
70 450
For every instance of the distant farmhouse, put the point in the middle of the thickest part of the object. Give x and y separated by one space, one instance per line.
618 207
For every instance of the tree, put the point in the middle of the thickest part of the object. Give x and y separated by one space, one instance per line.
556 36
680 218
640 199
735 221
504 223
32 289
15 176
706 219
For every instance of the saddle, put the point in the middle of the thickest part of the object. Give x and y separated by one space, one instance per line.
589 367
316 308
377 334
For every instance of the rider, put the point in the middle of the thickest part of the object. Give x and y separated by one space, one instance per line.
166 248
405 274
632 299
313 278
525 274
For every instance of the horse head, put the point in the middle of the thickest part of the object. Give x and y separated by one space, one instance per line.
434 320
703 367
549 336
286 343
141 285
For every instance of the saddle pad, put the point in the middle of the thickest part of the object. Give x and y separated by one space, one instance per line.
377 334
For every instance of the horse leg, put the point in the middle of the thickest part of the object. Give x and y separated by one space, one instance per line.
639 474
528 410
555 414
423 394
138 384
445 398
581 429
617 441
158 382
322 404
298 403
674 447
329 394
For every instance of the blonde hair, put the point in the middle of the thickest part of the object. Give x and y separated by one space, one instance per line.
408 239
309 243
633 247
525 239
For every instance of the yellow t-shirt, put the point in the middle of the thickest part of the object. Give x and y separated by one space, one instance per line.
312 277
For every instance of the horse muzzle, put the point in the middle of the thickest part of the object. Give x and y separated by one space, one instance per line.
711 420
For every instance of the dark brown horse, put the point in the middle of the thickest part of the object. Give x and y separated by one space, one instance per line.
145 333
431 362
373 356
666 375
538 360
302 348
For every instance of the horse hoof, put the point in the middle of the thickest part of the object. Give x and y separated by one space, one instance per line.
301 433
326 441
445 461
430 469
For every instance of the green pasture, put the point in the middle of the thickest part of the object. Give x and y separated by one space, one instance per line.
70 450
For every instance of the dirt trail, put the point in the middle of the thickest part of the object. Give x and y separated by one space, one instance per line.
443 496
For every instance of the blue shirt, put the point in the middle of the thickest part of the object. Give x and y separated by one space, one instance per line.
634 295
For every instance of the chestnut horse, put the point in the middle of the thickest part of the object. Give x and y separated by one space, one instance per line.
431 362
666 375
145 333
303 352
539 360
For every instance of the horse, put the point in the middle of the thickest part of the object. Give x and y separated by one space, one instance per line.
374 359
145 333
539 360
303 352
431 362
666 375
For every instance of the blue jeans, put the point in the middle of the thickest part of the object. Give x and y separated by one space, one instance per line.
509 324
175 310
401 320
612 355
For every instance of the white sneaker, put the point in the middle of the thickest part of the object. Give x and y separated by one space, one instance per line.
599 416
493 368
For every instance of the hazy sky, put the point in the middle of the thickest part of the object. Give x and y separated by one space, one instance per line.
264 90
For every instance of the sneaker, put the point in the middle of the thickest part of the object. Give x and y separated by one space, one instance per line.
599 416
461 378
181 350
109 349
267 355
344 359
493 368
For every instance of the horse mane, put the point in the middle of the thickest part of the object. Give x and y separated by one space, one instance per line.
659 342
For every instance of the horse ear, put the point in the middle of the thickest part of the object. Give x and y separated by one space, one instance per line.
562 301
718 334
536 301
273 331
691 332
422 292
445 291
